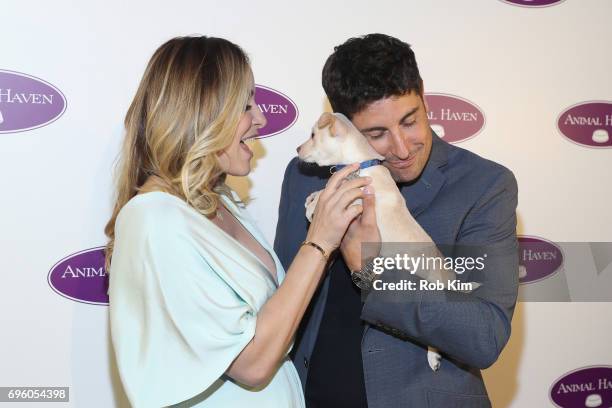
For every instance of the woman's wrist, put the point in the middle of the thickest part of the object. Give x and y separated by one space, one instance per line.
312 244
321 242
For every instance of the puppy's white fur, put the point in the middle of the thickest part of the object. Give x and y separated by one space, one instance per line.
335 140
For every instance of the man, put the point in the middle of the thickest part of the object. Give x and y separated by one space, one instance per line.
354 354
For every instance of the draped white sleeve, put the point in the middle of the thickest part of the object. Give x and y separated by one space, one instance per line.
178 317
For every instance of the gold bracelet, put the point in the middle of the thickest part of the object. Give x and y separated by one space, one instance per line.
312 244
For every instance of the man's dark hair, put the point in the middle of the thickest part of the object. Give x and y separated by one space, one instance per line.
366 69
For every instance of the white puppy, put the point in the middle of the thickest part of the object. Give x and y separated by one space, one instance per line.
335 141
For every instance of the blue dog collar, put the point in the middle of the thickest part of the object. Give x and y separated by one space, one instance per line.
362 165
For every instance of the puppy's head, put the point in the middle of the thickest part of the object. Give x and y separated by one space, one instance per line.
335 140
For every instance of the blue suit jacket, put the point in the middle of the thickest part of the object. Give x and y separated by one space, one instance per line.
459 198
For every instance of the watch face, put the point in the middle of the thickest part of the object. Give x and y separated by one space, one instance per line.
359 281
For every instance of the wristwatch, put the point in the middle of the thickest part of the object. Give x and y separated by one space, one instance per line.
363 278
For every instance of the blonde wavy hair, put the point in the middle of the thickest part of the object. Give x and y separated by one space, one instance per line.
185 112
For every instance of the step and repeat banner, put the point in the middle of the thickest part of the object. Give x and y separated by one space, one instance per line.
526 83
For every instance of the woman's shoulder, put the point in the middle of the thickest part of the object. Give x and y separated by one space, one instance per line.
153 211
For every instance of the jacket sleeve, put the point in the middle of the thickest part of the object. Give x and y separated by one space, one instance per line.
286 240
469 327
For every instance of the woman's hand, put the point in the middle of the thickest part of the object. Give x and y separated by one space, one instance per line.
280 316
362 229
334 211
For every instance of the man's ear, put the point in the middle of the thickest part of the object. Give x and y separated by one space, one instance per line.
326 119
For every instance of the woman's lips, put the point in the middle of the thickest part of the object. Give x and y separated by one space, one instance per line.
246 148
253 136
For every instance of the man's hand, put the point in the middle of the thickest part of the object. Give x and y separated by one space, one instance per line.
362 229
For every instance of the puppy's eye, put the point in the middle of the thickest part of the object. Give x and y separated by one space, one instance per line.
312 135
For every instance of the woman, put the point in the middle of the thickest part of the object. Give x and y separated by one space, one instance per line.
201 311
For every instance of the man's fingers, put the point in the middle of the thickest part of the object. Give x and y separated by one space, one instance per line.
369 206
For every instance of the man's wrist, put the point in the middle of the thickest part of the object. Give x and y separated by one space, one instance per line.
363 277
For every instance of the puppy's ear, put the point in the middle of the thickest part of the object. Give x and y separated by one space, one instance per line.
338 127
326 119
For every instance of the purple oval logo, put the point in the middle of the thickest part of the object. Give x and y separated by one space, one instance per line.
27 102
584 387
81 277
280 111
533 3
588 124
454 119
538 259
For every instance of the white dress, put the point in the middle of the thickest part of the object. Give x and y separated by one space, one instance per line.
184 297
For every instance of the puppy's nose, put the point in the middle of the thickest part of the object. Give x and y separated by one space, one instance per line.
297 149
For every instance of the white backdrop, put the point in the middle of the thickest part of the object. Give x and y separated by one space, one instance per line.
523 67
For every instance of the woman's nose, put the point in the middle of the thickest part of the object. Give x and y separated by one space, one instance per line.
259 119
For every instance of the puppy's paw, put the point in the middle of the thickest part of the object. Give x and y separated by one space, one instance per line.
311 204
433 358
